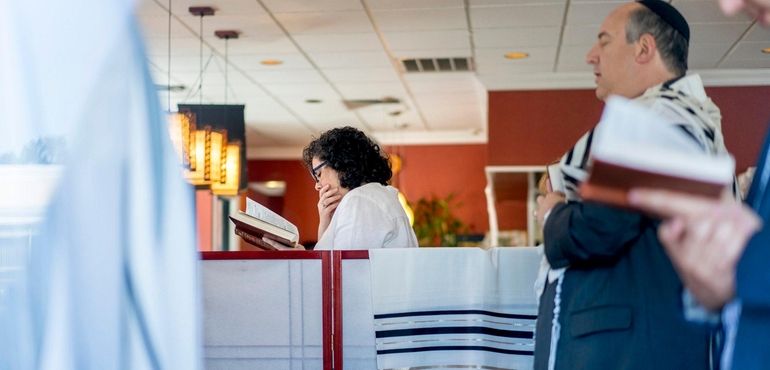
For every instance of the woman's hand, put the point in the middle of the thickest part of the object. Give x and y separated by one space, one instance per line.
328 200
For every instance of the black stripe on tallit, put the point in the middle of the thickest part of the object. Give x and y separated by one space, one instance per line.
456 312
587 150
523 334
456 348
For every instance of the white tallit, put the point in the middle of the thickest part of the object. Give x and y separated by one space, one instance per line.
682 101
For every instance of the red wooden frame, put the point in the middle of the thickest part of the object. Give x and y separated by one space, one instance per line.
337 257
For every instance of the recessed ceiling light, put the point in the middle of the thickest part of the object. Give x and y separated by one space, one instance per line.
766 50
313 101
271 62
516 55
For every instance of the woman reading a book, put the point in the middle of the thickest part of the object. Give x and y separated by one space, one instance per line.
356 206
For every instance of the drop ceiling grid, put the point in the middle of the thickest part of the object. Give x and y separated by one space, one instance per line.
332 50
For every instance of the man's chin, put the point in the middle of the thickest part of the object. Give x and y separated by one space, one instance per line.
601 94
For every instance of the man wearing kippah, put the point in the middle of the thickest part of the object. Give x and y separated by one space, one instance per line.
619 303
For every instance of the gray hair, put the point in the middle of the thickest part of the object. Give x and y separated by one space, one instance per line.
672 45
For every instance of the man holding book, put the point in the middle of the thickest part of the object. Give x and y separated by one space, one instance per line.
620 298
720 248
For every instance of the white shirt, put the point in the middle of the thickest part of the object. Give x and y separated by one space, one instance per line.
368 216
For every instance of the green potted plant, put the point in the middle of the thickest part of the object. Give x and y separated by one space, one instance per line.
435 223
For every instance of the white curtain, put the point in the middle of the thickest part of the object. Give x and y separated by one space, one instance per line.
112 280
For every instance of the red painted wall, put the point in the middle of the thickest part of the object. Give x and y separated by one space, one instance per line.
745 119
536 127
443 169
299 203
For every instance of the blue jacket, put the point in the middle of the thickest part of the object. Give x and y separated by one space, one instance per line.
752 345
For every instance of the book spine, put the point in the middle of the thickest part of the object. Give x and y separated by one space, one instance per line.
604 194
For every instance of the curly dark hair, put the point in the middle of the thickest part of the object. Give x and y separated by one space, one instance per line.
356 157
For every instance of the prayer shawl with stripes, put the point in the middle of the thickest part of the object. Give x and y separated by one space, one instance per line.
459 308
682 102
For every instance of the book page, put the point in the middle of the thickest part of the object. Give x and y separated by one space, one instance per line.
261 212
556 178
633 136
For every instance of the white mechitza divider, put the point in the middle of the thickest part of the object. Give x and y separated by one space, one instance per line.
358 349
262 314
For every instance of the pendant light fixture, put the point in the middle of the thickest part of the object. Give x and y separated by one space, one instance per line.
208 158
180 125
200 140
229 171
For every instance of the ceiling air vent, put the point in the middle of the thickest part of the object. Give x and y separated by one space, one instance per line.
437 65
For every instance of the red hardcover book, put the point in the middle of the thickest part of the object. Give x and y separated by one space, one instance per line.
636 148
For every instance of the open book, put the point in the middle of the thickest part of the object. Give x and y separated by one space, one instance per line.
258 222
635 147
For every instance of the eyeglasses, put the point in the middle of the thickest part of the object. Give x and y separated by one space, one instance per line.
314 172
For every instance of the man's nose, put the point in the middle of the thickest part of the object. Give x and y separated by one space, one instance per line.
591 56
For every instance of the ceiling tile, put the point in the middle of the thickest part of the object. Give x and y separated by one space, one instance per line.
443 83
512 69
584 35
157 26
482 3
252 62
537 55
448 99
375 90
339 42
350 59
589 14
714 33
262 44
222 7
158 46
421 19
322 23
286 77
149 8
703 56
575 55
286 6
433 53
568 67
414 4
278 132
702 11
247 24
758 33
515 38
746 63
420 40
305 90
342 75
539 15
750 50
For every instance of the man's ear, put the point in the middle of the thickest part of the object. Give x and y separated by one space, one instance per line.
646 49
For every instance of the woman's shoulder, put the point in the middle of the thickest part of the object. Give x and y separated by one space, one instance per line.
375 193
374 190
